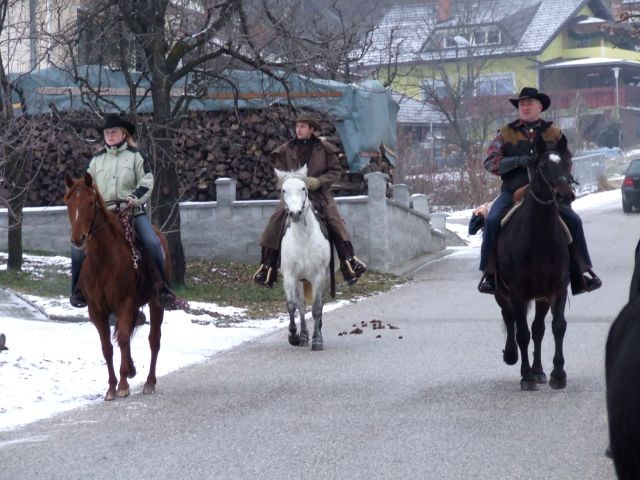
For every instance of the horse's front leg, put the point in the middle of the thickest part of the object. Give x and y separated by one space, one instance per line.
290 292
316 311
510 352
302 310
104 330
523 336
537 331
127 316
156 314
559 327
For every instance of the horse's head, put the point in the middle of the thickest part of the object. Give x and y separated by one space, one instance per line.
552 172
294 192
81 199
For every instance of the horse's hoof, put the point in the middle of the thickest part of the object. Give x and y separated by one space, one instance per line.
557 383
540 377
303 343
111 395
510 357
528 385
294 340
148 389
132 372
317 347
122 393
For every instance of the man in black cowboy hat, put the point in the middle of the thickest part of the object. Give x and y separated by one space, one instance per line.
508 156
323 169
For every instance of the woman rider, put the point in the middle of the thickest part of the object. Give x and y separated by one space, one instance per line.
121 174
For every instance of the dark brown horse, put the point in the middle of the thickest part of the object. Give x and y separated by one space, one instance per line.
110 282
533 265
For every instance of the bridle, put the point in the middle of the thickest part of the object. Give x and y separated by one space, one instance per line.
550 185
93 228
305 206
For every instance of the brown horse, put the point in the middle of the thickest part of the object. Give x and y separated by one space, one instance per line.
110 282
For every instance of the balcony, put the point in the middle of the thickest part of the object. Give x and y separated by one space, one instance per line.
596 98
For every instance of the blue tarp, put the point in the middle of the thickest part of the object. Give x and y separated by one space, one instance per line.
365 113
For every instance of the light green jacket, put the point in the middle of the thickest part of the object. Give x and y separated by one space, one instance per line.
120 173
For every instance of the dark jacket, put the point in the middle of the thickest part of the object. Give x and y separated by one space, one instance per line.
322 164
515 140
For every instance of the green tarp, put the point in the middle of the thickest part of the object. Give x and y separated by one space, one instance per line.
365 113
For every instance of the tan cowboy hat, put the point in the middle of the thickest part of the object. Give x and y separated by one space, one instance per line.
309 120
530 92
112 120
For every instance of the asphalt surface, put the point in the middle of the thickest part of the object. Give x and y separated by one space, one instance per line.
438 403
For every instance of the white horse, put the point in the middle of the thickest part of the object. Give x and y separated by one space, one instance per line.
304 258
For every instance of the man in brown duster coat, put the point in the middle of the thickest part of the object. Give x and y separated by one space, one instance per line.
323 169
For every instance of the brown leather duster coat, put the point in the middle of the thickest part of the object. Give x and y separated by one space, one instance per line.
324 165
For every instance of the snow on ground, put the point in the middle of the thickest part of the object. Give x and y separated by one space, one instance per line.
53 366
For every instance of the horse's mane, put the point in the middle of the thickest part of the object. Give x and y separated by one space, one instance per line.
111 219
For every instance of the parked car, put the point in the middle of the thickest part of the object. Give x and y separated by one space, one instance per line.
631 187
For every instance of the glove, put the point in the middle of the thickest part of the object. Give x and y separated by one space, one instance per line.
313 183
511 163
523 161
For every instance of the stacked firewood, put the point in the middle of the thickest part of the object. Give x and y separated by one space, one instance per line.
207 146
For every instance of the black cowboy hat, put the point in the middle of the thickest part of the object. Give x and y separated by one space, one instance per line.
309 120
113 120
530 92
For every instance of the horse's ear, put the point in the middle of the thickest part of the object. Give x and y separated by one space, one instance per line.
68 181
280 174
540 145
302 171
88 180
562 144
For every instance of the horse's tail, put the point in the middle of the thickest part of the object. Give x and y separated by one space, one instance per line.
308 291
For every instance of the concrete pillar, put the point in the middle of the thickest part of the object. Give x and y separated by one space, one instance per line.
226 191
225 196
439 221
401 194
377 208
421 204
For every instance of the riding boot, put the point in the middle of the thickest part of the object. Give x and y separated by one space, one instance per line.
350 265
488 281
166 296
267 274
77 298
581 283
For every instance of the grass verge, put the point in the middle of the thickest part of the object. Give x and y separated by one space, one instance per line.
224 283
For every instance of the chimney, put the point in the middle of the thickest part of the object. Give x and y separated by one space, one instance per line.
444 10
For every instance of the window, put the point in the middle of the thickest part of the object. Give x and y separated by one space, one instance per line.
431 88
495 84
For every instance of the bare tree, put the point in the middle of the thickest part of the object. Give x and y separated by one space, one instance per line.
190 44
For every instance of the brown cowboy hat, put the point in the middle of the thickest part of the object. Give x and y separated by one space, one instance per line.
530 92
309 120
112 120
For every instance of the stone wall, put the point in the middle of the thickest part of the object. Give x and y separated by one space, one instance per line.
386 233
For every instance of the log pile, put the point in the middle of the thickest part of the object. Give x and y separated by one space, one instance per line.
208 145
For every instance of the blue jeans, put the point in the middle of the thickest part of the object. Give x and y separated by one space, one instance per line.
149 239
500 207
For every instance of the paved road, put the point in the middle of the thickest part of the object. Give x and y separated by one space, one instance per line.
436 404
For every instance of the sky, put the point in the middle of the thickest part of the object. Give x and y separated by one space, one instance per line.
46 377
